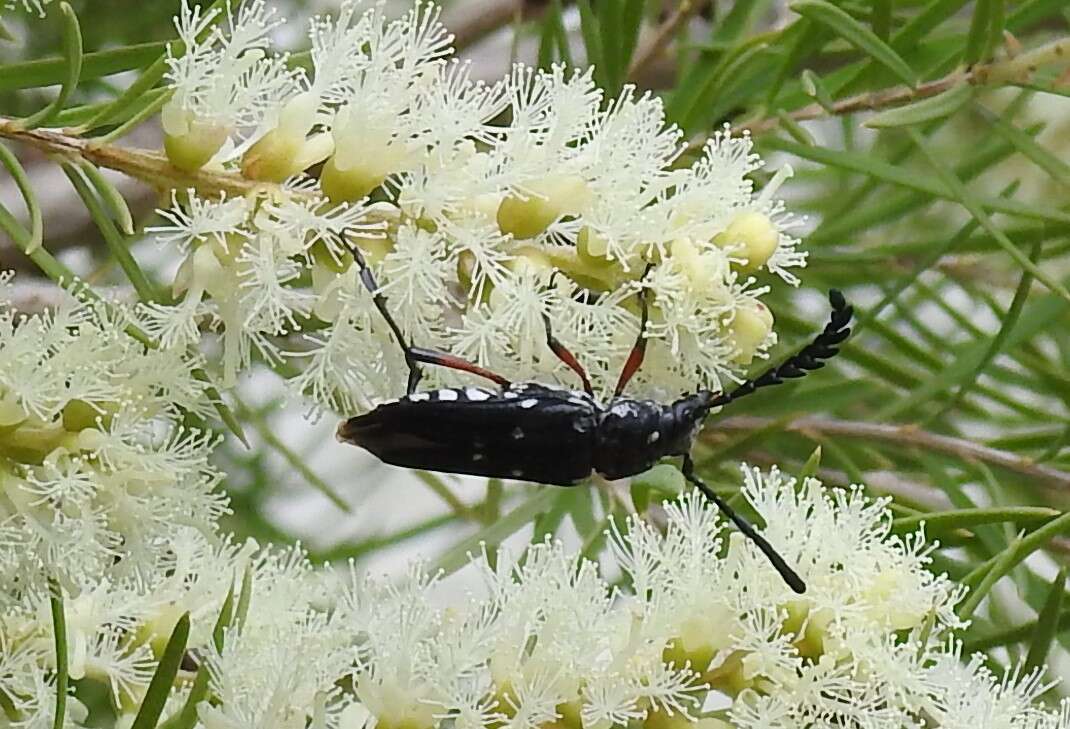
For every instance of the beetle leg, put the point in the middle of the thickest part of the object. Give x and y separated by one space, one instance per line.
415 355
562 352
811 357
453 362
635 357
368 279
790 576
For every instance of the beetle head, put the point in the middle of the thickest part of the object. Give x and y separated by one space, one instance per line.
686 416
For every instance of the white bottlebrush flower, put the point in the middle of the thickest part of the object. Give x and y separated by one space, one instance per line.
225 86
482 191
98 473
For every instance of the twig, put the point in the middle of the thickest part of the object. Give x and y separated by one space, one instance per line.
470 22
909 436
663 34
146 165
1008 71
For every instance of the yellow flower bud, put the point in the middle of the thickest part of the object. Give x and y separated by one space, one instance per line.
530 257
705 270
730 677
700 638
897 614
812 642
157 627
661 720
571 716
592 246
33 439
546 201
11 412
752 237
748 331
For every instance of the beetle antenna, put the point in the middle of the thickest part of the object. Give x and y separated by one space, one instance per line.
789 575
809 358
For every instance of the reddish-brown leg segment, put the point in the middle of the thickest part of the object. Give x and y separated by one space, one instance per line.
566 356
561 351
635 357
443 359
414 355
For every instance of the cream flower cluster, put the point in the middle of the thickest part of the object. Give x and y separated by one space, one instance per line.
97 472
695 633
464 198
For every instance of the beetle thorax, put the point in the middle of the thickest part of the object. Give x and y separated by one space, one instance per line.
632 435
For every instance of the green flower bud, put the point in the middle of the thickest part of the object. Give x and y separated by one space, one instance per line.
188 141
79 415
662 720
286 150
323 256
592 246
349 184
11 412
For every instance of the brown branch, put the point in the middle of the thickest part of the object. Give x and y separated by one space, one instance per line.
1008 71
471 22
906 435
149 166
663 34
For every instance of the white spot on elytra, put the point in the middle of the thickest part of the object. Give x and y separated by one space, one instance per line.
510 395
518 433
516 473
477 456
447 395
653 437
624 410
418 397
475 394
529 403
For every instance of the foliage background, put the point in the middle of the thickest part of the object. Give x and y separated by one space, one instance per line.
946 223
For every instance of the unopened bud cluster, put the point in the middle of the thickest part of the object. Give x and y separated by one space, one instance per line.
463 197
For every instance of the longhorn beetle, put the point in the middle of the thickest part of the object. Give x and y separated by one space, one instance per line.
557 436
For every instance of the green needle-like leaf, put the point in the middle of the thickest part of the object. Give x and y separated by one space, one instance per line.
1056 168
1047 625
856 34
52 71
868 165
926 110
32 243
72 53
945 521
163 680
120 250
59 633
984 576
494 534
223 621
976 209
245 598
